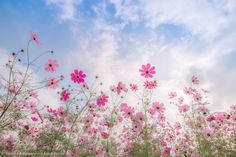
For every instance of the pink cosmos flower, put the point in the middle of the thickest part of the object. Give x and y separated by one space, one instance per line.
53 82
121 87
128 111
172 95
139 117
150 84
61 112
158 107
88 120
134 87
184 108
34 37
195 80
208 133
188 90
113 88
51 65
64 95
167 150
197 97
181 100
77 76
105 135
102 100
84 139
147 71
34 119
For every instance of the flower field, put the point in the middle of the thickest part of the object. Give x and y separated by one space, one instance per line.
90 121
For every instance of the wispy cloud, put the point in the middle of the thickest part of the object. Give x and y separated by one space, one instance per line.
114 47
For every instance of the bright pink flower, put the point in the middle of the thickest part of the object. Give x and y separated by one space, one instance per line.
172 95
167 150
34 37
102 100
64 95
34 119
184 108
53 82
121 87
147 71
51 65
77 76
134 87
195 80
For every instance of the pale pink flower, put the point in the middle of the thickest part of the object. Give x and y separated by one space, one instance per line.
53 82
195 80
51 65
197 97
121 87
134 87
172 95
184 108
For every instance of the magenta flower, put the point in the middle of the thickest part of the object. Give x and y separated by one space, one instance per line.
105 135
150 84
147 71
102 100
53 82
64 95
34 119
77 76
34 37
51 65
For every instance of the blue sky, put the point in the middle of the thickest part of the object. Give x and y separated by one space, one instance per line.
114 37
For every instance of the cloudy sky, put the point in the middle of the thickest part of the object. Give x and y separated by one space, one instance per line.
113 38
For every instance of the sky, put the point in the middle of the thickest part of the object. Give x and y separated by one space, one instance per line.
113 38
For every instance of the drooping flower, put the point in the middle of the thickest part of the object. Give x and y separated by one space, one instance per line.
147 71
51 65
64 95
197 97
78 76
121 87
184 108
102 100
34 37
195 80
53 82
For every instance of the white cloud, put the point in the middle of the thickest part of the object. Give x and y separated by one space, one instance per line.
67 8
106 50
